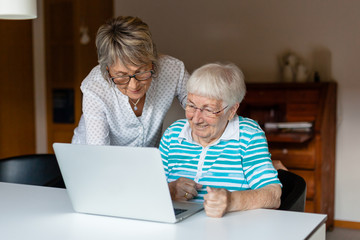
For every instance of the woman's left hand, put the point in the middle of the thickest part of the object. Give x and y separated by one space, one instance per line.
217 202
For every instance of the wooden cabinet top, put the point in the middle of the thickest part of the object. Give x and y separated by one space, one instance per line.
290 102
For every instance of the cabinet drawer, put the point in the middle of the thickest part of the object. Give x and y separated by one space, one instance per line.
309 177
294 155
303 96
265 96
301 158
300 161
301 112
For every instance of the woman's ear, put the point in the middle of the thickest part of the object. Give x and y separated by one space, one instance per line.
233 110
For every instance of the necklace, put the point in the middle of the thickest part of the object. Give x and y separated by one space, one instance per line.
135 103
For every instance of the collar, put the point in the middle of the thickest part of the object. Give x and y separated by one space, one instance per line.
231 132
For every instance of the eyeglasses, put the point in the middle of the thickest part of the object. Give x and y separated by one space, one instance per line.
141 76
209 113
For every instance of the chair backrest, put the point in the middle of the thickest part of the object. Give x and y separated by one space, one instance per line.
293 191
34 169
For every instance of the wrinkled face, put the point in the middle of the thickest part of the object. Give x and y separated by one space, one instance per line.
207 118
134 89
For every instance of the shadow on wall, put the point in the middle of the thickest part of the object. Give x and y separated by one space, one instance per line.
322 63
295 68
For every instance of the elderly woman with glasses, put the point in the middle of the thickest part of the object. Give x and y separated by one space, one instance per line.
126 97
214 155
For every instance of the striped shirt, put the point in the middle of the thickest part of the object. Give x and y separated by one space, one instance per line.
239 160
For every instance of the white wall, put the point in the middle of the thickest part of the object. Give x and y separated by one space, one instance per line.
253 34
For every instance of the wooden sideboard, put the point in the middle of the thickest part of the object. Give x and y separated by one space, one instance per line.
310 154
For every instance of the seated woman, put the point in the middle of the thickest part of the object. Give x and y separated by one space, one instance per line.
216 156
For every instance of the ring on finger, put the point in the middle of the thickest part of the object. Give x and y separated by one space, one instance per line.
186 195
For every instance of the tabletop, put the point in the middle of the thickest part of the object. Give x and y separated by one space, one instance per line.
33 212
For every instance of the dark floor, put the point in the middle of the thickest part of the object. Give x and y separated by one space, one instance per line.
343 234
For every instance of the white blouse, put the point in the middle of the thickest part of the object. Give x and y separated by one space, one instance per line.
108 119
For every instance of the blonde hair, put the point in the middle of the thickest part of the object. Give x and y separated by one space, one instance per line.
126 39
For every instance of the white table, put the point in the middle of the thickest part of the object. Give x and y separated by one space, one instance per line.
31 212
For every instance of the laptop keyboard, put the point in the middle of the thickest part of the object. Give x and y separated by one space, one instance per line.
179 210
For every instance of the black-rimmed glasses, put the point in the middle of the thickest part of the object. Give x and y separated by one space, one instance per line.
141 76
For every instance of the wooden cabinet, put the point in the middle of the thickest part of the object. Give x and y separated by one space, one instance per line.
310 154
17 113
69 58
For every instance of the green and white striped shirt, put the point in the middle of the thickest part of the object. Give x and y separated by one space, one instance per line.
238 160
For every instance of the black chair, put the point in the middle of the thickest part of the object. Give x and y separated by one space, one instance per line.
34 169
293 191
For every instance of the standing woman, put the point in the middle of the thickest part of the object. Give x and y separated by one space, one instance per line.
126 97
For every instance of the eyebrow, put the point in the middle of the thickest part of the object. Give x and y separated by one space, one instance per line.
126 73
205 106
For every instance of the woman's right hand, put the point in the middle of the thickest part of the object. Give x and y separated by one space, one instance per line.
184 189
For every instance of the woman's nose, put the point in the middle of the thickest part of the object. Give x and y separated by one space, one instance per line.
133 83
197 116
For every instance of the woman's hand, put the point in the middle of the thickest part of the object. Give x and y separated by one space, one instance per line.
217 202
183 189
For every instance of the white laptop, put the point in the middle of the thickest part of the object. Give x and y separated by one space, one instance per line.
118 181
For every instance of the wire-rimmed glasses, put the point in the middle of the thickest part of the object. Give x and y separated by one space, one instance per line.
207 112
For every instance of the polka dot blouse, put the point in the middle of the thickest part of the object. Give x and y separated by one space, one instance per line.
108 119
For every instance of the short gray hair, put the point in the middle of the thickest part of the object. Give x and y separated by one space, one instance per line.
218 81
127 39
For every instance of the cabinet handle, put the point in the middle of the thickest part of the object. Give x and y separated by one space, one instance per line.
285 151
